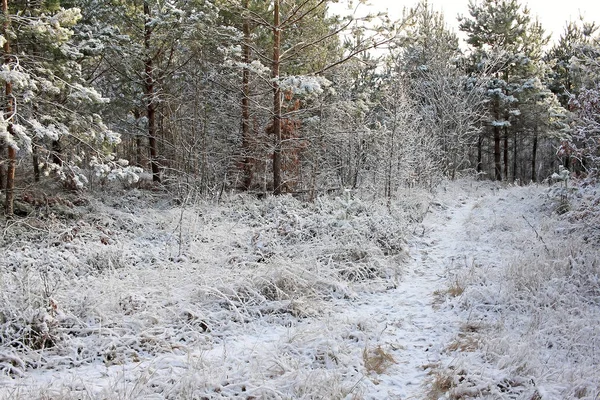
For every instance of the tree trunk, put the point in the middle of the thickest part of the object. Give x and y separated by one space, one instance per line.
36 161
391 154
149 94
10 180
514 175
505 153
497 155
534 156
2 161
9 111
479 152
315 166
246 151
276 101
139 159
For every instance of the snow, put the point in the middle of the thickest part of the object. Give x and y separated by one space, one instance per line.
304 85
464 294
15 76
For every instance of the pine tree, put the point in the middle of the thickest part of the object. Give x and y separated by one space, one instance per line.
7 130
502 32
142 47
51 112
565 79
584 144
300 44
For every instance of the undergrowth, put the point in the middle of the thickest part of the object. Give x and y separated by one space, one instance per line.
139 279
536 312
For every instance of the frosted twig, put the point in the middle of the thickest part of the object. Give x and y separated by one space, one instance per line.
537 234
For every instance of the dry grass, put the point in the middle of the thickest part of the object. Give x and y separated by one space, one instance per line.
456 289
377 360
441 383
467 340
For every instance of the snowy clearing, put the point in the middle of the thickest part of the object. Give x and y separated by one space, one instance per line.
491 295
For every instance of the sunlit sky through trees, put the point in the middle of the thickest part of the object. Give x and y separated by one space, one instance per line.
552 14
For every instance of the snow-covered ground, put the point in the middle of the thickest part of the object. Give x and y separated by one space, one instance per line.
491 295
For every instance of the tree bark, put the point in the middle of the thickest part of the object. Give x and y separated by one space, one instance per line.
57 153
246 160
515 148
534 156
479 152
138 140
36 161
276 101
505 153
2 161
35 158
10 181
497 155
149 94
9 112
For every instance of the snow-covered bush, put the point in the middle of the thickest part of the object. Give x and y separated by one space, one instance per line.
110 169
560 191
584 145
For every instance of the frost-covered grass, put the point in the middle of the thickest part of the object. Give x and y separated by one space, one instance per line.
137 295
143 297
531 301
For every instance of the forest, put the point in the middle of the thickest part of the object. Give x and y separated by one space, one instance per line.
284 97
247 199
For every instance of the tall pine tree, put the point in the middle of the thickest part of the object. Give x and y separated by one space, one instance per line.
502 34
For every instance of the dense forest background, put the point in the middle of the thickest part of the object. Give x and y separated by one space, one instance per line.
283 97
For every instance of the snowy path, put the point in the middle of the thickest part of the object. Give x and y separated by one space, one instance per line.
384 344
398 335
409 326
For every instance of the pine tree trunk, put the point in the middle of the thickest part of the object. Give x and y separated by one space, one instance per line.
10 181
149 94
139 159
2 161
8 114
36 161
315 167
276 101
479 152
514 175
534 156
505 153
247 160
497 155
138 151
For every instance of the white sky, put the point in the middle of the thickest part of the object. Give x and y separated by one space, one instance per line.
552 14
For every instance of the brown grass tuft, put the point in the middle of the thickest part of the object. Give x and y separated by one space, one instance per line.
440 385
377 360
467 339
456 289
